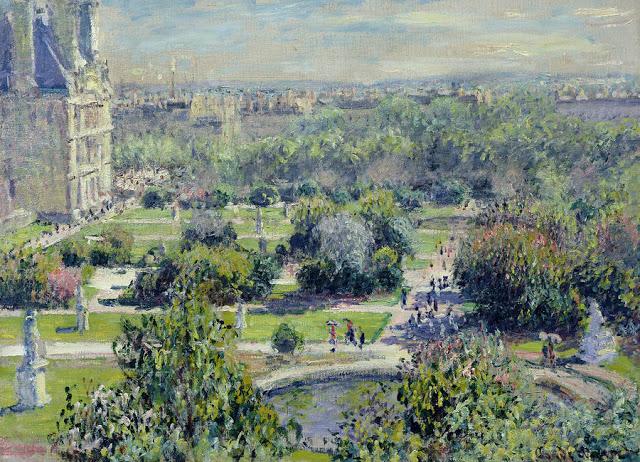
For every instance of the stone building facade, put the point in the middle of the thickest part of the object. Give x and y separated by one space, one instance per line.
55 111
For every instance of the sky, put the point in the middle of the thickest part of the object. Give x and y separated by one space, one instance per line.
365 40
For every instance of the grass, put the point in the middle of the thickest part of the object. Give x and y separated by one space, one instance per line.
626 367
136 229
34 426
280 290
313 324
151 214
308 456
103 327
469 307
23 235
427 243
384 299
432 211
415 264
535 346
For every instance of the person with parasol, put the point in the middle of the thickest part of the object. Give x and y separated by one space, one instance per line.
333 336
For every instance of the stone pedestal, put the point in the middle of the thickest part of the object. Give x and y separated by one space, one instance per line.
241 318
82 313
30 375
259 221
598 345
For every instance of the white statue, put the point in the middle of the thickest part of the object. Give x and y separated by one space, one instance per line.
598 345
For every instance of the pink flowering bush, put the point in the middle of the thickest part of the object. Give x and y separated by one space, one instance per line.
62 283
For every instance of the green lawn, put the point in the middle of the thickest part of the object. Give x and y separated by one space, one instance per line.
23 235
468 307
384 299
308 456
626 367
312 324
279 290
414 264
535 346
430 211
103 327
137 229
151 214
34 426
427 243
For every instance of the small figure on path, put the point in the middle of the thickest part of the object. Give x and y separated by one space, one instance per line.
361 338
350 336
435 305
333 338
404 297
552 355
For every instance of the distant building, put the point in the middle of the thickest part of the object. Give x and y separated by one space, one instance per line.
55 97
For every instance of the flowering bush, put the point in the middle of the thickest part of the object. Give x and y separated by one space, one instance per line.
63 282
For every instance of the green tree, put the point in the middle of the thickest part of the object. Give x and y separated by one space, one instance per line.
184 397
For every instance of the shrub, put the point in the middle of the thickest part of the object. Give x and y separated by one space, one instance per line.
115 249
219 197
408 199
286 339
73 252
264 196
449 193
63 283
308 189
209 228
340 196
153 198
387 269
518 278
265 269
321 275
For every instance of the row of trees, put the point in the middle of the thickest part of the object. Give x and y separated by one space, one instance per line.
447 150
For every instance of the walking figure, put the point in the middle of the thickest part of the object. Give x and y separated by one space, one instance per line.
361 338
333 338
404 298
552 355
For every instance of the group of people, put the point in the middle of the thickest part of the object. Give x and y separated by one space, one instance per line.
349 337
62 229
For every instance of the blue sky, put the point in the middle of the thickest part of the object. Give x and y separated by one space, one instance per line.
365 40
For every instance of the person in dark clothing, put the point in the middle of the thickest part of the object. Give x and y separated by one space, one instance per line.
435 305
404 298
361 338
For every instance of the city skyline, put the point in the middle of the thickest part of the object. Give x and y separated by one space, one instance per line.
365 41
